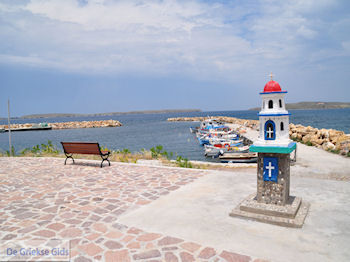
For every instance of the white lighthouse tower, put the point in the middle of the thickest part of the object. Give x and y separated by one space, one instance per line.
274 119
272 202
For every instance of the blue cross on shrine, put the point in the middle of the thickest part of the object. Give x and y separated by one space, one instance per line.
270 169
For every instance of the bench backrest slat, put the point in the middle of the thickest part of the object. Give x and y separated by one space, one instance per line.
81 148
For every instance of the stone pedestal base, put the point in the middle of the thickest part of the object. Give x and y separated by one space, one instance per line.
292 214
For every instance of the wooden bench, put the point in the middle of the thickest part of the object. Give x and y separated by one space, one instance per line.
86 148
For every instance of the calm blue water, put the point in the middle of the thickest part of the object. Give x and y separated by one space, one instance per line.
148 130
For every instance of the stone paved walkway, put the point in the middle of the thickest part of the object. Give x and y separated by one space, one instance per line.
40 198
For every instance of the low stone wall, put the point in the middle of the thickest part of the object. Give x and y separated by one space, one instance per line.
70 125
327 139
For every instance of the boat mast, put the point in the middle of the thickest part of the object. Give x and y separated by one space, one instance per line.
9 125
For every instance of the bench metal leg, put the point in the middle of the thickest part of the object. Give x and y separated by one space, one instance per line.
105 159
69 156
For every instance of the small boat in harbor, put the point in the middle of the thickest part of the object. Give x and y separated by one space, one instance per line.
31 127
239 158
213 151
194 130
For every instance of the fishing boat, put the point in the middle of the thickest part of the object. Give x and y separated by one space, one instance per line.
32 127
239 158
2 130
226 143
213 151
210 125
203 140
194 130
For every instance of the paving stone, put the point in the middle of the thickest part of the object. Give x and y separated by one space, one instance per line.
148 237
82 259
9 236
87 224
95 218
186 257
134 231
146 255
113 244
44 233
170 257
190 246
114 234
207 253
25 215
100 211
233 257
117 256
169 241
92 236
150 245
71 232
134 245
127 238
100 240
50 209
27 229
169 248
100 227
91 249
72 221
111 207
56 226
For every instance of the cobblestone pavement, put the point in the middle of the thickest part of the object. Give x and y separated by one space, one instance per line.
40 198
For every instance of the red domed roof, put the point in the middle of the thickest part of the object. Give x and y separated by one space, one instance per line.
272 86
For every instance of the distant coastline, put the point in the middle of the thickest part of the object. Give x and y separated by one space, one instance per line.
54 115
314 105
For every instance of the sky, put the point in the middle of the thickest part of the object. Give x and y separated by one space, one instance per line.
95 56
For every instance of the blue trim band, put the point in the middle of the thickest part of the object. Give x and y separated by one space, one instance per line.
276 92
288 114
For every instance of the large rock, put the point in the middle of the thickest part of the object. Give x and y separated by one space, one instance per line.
328 146
306 138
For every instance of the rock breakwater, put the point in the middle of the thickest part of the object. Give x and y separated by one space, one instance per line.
327 139
68 125
254 124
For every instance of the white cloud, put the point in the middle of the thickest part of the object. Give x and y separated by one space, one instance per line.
168 37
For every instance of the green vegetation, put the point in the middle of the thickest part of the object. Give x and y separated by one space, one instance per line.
13 153
335 151
183 162
38 150
41 150
158 151
308 143
124 155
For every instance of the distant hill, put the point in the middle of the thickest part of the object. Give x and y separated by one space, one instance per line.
111 113
313 105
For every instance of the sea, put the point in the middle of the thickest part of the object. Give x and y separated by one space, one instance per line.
143 131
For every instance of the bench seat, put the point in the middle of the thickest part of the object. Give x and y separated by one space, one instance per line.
86 148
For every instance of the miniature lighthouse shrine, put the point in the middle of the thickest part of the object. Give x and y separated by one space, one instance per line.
272 202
